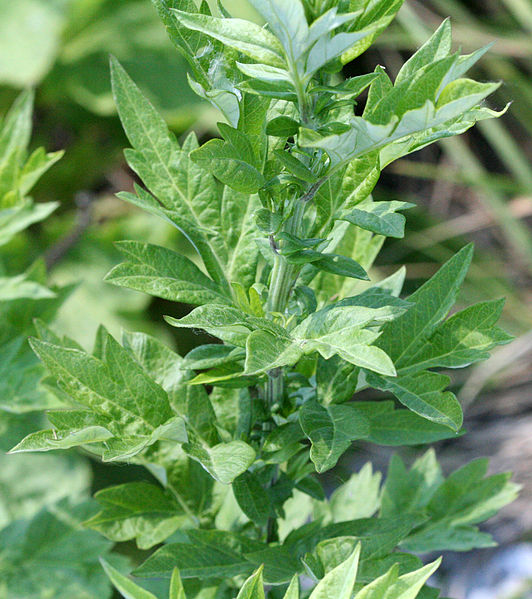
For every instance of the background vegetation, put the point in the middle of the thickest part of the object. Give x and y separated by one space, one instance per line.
477 187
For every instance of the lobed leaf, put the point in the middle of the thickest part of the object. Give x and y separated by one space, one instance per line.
163 273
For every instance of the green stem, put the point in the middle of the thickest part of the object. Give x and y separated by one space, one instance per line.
283 279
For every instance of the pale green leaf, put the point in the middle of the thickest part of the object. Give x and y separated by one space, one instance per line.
49 440
265 351
15 219
358 497
392 586
225 461
289 23
25 480
125 586
339 583
138 510
435 48
340 331
176 586
37 164
30 31
21 287
253 587
244 36
327 49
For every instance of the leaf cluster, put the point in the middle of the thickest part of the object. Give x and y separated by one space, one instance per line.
285 230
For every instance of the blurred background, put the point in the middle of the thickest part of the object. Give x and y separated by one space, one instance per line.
474 188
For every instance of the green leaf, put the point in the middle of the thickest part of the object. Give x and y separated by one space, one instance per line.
267 75
240 233
187 195
21 373
336 380
339 583
393 586
378 536
176 586
402 337
340 331
403 427
253 587
163 273
465 338
119 395
244 36
358 497
49 440
292 592
437 47
410 490
225 461
16 127
294 166
351 88
265 351
252 498
51 555
17 218
423 393
228 165
287 21
207 554
210 356
126 587
229 324
163 365
341 266
17 287
37 164
140 511
335 330
379 217
454 505
279 564
331 431
25 480
282 126
328 49
409 113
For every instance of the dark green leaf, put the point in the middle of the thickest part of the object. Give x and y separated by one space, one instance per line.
331 431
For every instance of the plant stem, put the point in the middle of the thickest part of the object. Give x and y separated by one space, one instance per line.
284 276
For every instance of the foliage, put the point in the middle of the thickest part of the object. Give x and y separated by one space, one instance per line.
280 213
44 549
